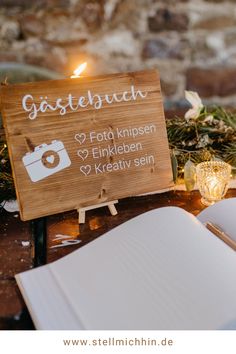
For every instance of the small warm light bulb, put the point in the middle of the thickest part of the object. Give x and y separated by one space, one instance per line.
79 70
4 147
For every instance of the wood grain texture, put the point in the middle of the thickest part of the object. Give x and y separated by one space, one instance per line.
140 163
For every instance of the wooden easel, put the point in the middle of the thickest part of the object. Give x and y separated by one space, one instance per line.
110 205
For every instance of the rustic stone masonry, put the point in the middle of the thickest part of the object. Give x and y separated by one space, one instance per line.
191 42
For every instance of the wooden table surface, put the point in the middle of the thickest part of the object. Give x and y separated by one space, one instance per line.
17 246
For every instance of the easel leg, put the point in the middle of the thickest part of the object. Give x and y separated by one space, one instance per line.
81 216
40 241
112 209
110 205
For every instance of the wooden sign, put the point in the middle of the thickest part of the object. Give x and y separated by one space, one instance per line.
85 141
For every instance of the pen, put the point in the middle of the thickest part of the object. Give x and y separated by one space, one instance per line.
216 230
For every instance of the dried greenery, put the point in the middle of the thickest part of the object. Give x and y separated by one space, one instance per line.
210 135
7 191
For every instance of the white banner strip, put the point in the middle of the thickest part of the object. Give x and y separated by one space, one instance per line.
93 342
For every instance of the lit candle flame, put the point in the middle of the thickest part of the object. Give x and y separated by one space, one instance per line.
79 70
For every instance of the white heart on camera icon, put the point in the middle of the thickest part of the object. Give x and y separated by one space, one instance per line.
85 169
50 159
80 137
83 154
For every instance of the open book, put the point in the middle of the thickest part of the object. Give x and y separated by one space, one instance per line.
161 270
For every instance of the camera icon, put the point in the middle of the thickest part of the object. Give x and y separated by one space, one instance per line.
45 160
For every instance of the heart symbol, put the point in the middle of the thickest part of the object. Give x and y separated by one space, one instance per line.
85 169
50 159
80 137
83 154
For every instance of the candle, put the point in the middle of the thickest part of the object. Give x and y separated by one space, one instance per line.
212 179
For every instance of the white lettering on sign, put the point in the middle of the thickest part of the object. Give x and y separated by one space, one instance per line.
105 135
144 160
113 148
136 131
122 164
109 167
119 133
71 103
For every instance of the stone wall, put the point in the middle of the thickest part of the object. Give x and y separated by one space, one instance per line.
191 42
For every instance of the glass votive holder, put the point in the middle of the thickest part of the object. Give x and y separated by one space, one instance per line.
213 180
